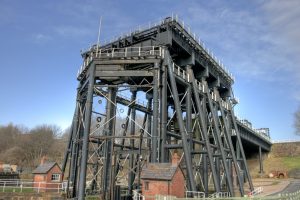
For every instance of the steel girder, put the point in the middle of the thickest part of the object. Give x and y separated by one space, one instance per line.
109 146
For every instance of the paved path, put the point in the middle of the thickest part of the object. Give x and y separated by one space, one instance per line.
292 187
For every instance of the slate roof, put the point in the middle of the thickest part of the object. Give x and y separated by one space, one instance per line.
158 171
44 168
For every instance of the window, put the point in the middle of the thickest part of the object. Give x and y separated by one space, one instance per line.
55 177
146 185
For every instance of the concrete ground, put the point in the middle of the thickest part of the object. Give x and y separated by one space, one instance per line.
274 186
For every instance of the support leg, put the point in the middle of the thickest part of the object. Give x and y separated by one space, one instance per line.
186 149
155 133
87 123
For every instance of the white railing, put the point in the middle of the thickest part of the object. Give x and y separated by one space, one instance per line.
201 44
184 75
219 195
195 194
256 191
187 28
285 141
256 131
137 101
145 51
30 186
137 195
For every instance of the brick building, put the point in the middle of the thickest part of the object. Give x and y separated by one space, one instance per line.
47 176
163 179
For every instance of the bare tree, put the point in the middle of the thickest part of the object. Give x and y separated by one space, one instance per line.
297 121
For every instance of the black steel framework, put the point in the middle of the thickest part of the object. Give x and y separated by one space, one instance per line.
144 96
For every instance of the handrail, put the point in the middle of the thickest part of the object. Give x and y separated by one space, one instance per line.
256 191
259 133
19 186
119 53
187 28
195 194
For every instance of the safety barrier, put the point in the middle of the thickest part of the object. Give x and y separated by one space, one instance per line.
30 186
195 194
146 51
137 195
256 191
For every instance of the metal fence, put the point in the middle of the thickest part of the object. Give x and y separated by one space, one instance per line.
282 196
20 186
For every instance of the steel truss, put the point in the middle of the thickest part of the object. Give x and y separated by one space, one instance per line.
130 111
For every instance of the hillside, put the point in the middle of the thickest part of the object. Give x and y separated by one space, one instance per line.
283 157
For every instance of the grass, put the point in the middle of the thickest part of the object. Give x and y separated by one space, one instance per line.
16 189
291 162
93 197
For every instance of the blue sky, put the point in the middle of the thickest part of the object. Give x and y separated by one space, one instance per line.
40 45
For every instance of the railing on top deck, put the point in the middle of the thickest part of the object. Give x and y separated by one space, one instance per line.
268 138
186 27
184 75
147 51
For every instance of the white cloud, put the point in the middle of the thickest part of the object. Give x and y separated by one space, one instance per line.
259 42
41 38
72 31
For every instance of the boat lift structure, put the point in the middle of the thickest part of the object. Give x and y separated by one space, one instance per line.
144 96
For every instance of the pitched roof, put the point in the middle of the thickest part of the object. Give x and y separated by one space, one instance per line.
44 168
159 171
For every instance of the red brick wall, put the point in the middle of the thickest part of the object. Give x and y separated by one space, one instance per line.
173 188
155 187
38 179
51 185
177 184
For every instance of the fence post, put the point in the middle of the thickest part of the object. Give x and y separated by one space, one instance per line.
39 187
21 186
4 186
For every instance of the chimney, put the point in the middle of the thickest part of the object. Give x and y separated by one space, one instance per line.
43 160
175 159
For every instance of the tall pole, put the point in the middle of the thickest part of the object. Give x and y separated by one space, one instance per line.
87 123
98 39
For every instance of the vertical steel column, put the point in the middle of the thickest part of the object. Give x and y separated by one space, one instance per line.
109 131
188 104
155 113
138 157
149 122
205 174
217 135
227 134
203 126
186 149
87 124
218 167
132 132
164 113
188 107
261 168
239 141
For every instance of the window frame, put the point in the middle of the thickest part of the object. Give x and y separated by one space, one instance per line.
57 179
146 185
